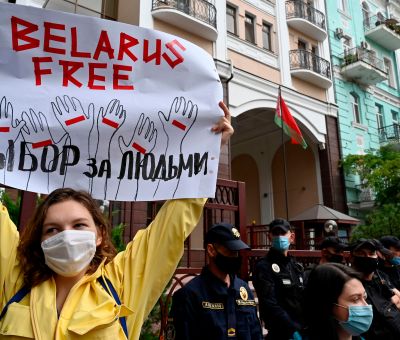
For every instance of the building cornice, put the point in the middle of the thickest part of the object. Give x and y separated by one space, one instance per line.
263 5
386 97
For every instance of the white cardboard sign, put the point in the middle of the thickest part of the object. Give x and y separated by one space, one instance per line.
117 110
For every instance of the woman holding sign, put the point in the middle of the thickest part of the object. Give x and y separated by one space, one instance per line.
61 279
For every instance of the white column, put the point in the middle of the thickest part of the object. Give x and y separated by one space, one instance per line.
283 43
220 49
145 16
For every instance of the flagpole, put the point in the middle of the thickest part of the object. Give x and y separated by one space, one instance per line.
284 163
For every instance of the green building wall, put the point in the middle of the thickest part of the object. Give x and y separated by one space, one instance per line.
358 138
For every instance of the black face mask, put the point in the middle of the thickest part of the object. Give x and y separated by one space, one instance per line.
335 258
365 265
381 263
229 265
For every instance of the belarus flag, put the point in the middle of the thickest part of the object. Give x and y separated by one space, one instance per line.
285 121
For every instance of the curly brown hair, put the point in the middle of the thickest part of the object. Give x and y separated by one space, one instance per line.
30 253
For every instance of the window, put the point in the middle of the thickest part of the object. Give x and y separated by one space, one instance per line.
346 45
395 118
389 70
301 45
266 36
365 11
310 12
303 60
380 16
249 28
342 5
231 19
183 5
103 9
315 59
379 116
355 107
396 125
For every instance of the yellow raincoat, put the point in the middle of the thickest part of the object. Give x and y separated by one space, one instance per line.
139 274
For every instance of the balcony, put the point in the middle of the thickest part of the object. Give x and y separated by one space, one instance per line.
362 66
385 32
365 200
306 19
196 16
389 134
308 66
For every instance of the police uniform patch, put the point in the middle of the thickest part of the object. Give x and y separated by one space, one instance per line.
235 233
231 332
212 305
276 268
246 303
243 293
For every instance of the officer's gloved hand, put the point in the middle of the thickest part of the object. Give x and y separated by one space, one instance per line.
296 336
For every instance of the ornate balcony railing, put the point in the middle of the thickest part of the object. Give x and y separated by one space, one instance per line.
300 9
198 9
389 134
366 194
302 59
377 20
360 54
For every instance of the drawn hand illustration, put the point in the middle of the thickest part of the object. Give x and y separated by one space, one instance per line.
180 119
37 135
74 120
143 141
77 123
110 120
10 130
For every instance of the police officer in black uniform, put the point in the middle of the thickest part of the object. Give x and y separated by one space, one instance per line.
332 251
217 305
278 281
391 262
381 294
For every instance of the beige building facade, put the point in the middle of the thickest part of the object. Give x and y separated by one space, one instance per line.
258 46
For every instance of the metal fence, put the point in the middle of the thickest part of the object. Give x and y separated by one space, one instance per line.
198 9
373 21
390 133
361 54
300 9
378 20
303 59
366 194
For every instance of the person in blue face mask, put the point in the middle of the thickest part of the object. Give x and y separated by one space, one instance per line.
278 281
381 294
391 263
335 304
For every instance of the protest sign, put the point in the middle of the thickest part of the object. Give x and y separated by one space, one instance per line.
117 110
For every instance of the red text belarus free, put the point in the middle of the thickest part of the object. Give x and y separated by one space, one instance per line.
53 40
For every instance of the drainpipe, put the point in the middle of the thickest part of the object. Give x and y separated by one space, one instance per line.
231 70
338 116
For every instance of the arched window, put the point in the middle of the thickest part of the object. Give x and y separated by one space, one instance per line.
355 107
380 16
365 11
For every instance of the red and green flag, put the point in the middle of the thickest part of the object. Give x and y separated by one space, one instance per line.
285 121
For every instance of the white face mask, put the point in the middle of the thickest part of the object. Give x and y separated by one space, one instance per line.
70 251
